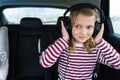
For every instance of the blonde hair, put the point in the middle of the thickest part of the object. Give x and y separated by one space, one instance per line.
73 15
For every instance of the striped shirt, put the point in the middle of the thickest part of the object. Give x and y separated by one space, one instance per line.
79 64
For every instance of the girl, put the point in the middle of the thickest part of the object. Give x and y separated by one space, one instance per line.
77 59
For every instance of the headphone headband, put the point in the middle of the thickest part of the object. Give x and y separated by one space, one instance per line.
86 5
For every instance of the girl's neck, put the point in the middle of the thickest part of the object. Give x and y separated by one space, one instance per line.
79 44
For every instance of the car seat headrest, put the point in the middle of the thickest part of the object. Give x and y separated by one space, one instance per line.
30 23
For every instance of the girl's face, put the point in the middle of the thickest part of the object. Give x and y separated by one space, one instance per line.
83 28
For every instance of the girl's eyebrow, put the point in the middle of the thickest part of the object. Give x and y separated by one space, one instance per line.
90 25
82 25
77 24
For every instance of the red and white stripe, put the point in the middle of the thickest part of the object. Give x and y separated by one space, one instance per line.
108 55
79 64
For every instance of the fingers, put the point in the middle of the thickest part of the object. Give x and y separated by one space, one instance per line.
64 32
62 25
100 34
102 28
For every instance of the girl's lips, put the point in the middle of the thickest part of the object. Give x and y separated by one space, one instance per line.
82 37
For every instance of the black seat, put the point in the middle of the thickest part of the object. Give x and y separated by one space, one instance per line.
27 66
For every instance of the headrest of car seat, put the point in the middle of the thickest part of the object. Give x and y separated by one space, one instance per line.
30 23
31 26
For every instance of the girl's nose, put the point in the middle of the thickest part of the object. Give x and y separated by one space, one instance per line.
83 31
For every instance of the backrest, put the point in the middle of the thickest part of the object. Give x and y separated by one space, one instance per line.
30 33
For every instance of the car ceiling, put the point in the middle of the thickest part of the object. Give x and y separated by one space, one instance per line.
55 3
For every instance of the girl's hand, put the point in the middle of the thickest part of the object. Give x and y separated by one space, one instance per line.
65 34
99 35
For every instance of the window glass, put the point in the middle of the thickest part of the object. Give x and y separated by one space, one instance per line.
47 15
115 15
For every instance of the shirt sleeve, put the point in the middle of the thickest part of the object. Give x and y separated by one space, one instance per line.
108 55
51 54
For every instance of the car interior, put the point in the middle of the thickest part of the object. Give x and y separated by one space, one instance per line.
28 38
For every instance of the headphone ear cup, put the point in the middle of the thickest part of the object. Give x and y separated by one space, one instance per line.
67 24
97 28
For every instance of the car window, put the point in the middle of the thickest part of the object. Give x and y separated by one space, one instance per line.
115 15
47 15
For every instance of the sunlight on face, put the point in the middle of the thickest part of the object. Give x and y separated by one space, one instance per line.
83 28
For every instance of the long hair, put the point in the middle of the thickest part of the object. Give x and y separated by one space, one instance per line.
90 43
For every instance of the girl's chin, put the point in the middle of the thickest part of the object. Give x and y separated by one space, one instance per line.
81 41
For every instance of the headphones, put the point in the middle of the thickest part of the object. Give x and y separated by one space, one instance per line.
67 21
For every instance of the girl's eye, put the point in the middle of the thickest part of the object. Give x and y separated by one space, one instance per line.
89 27
78 26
